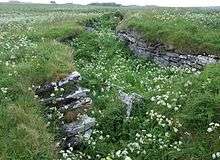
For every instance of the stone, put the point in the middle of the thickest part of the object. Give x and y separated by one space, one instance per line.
70 104
161 61
128 100
205 60
161 54
126 37
72 111
64 100
83 103
90 29
73 77
79 127
76 131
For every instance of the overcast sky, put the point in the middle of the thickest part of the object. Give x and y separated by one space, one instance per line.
184 3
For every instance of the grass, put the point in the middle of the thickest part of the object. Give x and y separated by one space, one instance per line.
172 122
30 55
189 31
190 102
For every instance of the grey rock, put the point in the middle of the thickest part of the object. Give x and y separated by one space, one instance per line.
90 29
128 100
87 134
70 104
67 99
73 77
160 54
80 127
205 60
81 103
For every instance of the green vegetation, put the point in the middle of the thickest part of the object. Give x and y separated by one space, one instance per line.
178 117
189 31
171 122
29 56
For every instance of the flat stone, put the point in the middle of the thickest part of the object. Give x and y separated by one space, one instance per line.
81 103
64 100
205 60
73 77
79 127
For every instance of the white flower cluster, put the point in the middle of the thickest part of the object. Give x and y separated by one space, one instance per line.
169 100
213 126
163 142
216 155
4 90
69 155
188 83
164 121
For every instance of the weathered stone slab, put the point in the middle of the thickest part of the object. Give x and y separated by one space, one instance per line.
80 127
73 77
81 103
64 100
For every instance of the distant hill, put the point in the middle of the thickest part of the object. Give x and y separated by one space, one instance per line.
14 1
151 6
105 4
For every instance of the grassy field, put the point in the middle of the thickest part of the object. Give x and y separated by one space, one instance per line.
179 116
194 31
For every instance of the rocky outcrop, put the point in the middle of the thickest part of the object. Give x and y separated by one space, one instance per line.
162 54
67 103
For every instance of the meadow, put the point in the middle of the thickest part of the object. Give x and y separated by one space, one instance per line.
178 117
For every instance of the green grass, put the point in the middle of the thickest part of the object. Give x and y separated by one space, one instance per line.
31 55
37 59
188 31
107 66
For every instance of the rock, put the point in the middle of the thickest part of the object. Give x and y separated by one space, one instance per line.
205 60
161 61
87 134
78 94
74 142
72 111
90 29
126 37
81 103
64 100
128 100
73 77
79 127
73 103
75 132
161 54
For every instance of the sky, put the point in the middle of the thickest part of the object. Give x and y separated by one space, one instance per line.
172 3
